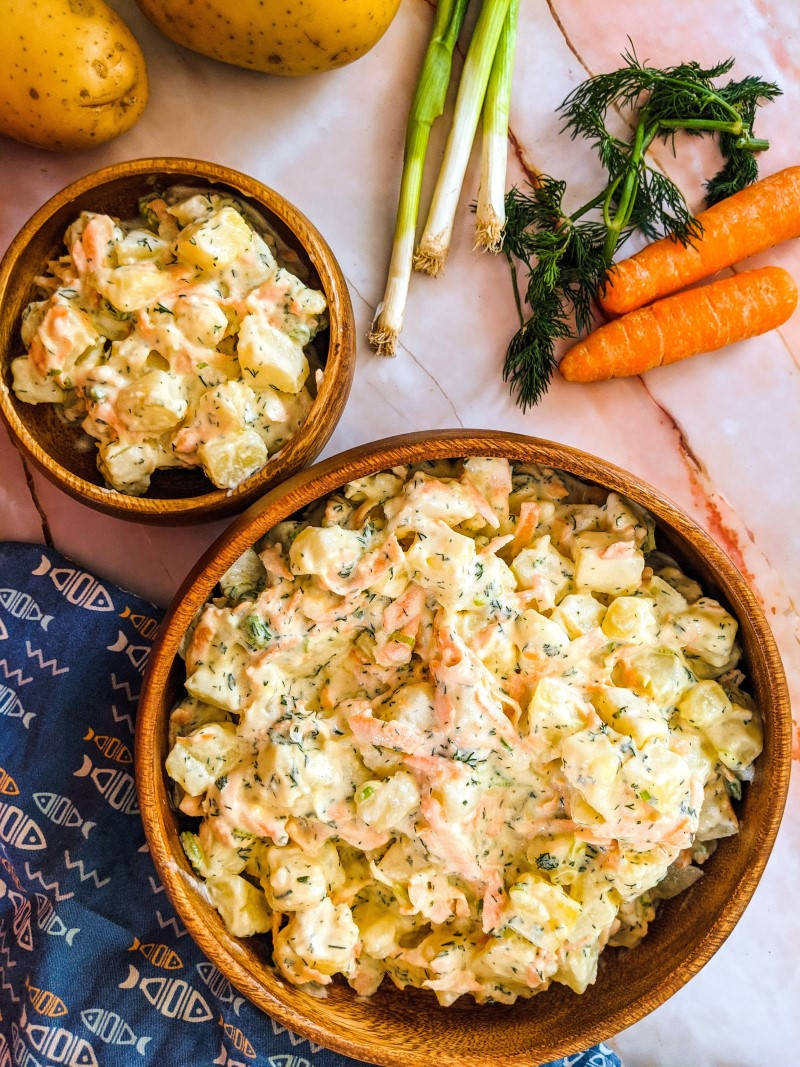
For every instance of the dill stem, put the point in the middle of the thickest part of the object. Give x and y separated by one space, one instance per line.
596 201
615 225
702 124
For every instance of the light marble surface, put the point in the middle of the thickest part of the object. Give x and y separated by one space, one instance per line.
719 434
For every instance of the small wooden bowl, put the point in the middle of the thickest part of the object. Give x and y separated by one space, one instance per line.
408 1029
63 452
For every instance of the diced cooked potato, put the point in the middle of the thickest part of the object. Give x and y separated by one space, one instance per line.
492 477
591 764
132 286
139 245
323 937
153 403
200 319
636 716
296 880
245 577
539 637
243 908
379 928
659 673
687 587
557 857
444 561
198 759
708 630
269 357
633 872
230 459
604 564
30 387
384 804
127 467
704 705
544 571
632 620
539 911
661 778
556 710
717 817
194 207
32 318
579 613
318 549
668 601
579 969
735 732
738 739
214 242
218 682
64 333
211 857
624 518
573 519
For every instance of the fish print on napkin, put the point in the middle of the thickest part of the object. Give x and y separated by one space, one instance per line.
96 970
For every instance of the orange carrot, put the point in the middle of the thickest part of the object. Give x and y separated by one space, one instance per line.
758 217
698 320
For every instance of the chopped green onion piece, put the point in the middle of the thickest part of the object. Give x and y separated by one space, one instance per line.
404 639
193 850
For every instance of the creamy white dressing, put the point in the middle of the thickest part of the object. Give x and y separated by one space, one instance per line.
177 340
462 726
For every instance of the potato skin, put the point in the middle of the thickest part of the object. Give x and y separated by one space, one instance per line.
278 36
72 75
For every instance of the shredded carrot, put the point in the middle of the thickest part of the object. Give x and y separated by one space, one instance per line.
698 320
751 221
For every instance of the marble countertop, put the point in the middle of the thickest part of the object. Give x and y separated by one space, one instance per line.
719 434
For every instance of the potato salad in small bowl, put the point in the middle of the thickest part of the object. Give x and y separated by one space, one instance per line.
185 335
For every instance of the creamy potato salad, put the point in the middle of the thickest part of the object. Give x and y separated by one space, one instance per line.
460 725
176 339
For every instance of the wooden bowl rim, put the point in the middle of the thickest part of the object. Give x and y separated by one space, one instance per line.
328 403
322 479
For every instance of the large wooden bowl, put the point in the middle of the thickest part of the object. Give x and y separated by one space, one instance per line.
408 1029
62 451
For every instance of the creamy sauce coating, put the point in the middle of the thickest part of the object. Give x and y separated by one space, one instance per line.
462 726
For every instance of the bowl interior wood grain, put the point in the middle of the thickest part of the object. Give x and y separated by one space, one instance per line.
409 1029
63 451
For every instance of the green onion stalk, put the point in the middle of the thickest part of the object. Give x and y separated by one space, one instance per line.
490 216
435 242
426 106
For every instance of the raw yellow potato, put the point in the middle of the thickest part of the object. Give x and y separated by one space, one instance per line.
291 37
72 74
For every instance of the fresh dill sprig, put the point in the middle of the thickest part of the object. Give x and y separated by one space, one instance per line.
567 256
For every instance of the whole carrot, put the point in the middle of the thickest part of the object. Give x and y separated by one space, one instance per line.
750 221
698 320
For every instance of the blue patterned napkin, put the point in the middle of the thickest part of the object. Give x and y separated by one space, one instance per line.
95 968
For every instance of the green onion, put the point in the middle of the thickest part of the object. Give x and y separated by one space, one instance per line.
435 243
193 849
490 217
427 105
403 639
